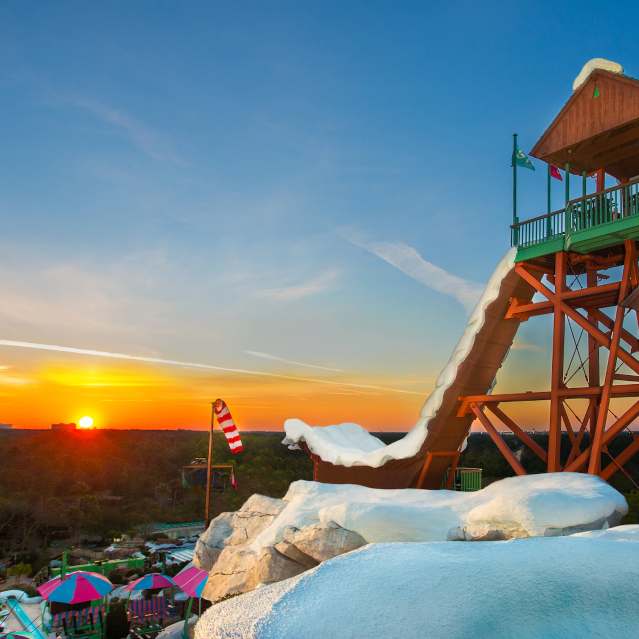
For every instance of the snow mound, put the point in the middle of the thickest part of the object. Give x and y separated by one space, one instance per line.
351 445
566 587
592 65
533 505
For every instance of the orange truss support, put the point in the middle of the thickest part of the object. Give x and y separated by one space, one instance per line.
584 307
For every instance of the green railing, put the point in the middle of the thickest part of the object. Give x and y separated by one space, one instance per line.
610 205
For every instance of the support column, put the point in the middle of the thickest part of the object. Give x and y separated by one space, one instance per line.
557 373
594 375
594 465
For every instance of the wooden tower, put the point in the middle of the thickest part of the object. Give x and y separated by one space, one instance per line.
581 263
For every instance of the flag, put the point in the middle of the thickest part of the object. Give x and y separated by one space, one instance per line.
233 479
554 172
225 420
521 159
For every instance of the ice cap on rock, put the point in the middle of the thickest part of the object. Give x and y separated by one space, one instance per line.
591 65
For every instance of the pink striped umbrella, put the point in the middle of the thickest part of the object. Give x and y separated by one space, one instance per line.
76 587
152 581
192 580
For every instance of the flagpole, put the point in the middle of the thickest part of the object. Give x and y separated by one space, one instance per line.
207 507
515 219
549 202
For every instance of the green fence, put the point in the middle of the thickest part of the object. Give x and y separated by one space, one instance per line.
466 479
102 567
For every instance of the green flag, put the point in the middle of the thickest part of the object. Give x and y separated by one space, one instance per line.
521 159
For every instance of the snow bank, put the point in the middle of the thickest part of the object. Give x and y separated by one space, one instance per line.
532 505
566 587
351 445
591 65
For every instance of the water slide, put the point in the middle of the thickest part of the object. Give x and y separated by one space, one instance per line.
12 599
347 453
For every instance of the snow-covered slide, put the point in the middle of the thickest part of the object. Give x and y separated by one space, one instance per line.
348 454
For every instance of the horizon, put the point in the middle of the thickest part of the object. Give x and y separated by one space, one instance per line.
281 208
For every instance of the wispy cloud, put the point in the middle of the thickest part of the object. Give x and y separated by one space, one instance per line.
318 284
172 362
275 358
411 263
139 134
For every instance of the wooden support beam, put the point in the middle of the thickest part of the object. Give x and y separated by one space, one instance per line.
609 323
520 433
566 419
582 392
428 460
498 441
594 464
627 418
576 444
594 374
598 335
557 366
594 296
623 458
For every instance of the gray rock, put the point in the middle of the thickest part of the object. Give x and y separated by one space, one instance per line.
324 541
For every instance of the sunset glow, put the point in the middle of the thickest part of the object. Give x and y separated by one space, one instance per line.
86 422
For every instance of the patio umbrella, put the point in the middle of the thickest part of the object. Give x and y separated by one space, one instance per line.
19 634
76 587
192 580
152 581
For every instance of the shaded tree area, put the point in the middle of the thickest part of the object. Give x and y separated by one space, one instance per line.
99 484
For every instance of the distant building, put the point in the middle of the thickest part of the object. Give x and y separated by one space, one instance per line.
63 427
6 426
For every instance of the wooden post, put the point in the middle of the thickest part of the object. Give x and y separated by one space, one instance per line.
594 466
557 372
207 506
594 376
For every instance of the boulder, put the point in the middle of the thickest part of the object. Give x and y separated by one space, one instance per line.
235 529
272 566
323 541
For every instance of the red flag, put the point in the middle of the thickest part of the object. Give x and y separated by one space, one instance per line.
225 420
554 172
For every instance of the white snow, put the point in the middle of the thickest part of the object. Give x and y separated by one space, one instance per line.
551 588
591 65
351 445
532 505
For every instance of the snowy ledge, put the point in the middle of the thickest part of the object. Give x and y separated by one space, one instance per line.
351 445
583 585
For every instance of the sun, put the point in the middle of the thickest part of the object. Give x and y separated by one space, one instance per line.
86 422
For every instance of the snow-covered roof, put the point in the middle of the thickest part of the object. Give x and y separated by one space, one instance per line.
592 65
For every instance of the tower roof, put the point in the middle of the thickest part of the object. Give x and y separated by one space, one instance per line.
598 127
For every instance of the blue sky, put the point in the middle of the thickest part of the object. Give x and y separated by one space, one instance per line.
194 181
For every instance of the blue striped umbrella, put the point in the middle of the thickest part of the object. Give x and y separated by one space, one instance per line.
152 581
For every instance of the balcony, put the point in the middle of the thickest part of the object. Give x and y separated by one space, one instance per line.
585 224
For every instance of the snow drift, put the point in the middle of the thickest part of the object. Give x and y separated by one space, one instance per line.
351 445
532 505
567 587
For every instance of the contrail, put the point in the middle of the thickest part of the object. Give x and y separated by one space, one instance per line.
276 358
174 362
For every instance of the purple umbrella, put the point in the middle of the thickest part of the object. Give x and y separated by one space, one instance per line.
76 587
192 580
152 581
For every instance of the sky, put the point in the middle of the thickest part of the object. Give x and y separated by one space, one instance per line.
302 199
